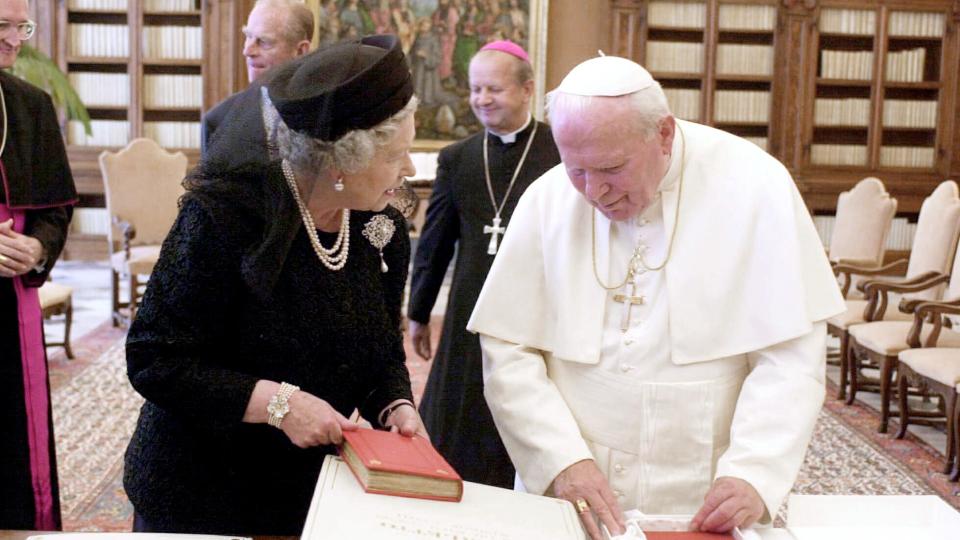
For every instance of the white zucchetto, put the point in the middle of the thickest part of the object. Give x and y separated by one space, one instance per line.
607 76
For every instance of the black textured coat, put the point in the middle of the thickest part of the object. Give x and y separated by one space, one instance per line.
453 407
203 338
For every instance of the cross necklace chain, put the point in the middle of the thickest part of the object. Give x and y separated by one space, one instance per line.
494 229
637 264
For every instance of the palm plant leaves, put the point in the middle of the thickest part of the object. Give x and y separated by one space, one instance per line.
37 69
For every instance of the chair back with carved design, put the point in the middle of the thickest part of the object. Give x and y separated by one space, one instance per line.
862 223
935 239
141 184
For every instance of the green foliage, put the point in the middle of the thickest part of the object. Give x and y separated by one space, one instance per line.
37 69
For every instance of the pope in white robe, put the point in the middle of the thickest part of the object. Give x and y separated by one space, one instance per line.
653 327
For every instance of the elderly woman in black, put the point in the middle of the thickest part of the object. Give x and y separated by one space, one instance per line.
274 310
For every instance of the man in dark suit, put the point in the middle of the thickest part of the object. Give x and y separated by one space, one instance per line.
479 181
276 31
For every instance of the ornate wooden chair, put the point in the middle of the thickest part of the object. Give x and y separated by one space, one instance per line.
938 227
932 369
142 184
860 229
858 239
877 344
57 299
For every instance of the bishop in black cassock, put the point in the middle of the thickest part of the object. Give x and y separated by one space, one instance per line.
37 193
453 407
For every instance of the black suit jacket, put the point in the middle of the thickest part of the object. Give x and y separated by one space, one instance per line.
246 101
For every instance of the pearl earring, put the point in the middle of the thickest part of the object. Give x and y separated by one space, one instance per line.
338 186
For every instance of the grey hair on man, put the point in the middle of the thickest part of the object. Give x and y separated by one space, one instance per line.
300 22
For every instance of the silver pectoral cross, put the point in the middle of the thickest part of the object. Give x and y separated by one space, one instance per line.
493 231
628 301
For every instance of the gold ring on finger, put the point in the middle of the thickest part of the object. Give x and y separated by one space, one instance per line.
582 506
3 258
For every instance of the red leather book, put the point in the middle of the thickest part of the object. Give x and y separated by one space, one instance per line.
392 464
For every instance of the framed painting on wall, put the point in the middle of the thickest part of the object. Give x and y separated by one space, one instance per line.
439 37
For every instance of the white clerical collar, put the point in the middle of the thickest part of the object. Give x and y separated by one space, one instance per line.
511 137
669 180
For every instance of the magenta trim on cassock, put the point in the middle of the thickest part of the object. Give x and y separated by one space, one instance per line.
6 192
34 359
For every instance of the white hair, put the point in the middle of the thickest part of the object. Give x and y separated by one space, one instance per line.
298 25
349 154
646 108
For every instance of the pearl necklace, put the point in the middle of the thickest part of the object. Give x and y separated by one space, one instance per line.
329 257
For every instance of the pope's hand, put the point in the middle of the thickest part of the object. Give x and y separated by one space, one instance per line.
406 420
19 253
313 422
731 502
583 481
420 336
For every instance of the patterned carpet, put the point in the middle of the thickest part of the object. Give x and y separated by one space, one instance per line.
95 410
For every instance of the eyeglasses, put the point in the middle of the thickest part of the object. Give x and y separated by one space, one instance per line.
261 42
23 29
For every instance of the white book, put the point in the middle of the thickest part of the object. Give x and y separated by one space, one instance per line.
341 509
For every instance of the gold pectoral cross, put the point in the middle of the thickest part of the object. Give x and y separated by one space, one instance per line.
493 231
628 301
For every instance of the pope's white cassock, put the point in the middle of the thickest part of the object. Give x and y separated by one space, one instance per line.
716 368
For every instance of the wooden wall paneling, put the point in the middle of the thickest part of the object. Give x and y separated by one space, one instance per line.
625 30
224 68
708 85
951 109
799 70
44 39
135 69
878 92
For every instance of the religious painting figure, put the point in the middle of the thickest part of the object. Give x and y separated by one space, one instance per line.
653 326
479 181
351 22
425 59
328 23
446 20
468 41
404 22
460 28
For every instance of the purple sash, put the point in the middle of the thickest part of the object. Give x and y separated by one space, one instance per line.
34 359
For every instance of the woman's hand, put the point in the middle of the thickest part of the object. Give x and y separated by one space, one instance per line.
406 420
313 422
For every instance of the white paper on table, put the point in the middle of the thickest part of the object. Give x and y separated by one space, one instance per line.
341 509
887 517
